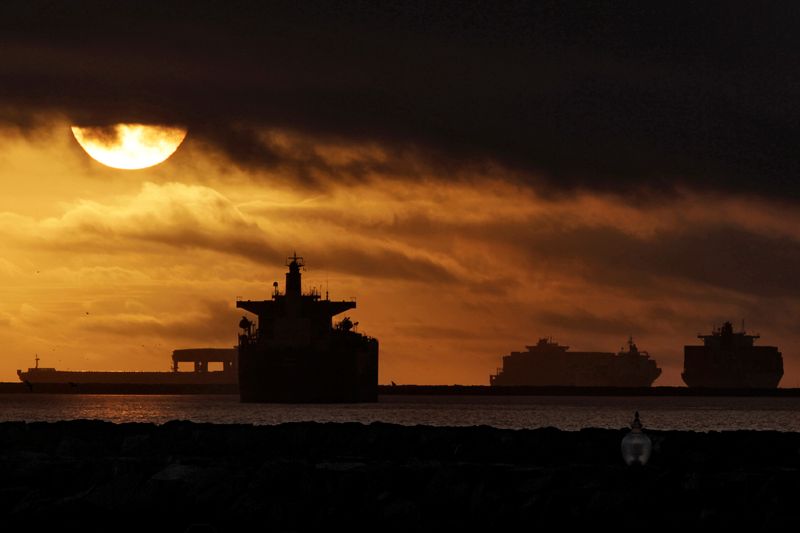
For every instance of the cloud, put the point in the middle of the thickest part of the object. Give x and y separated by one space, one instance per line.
170 218
206 322
371 233
449 276
491 232
429 331
617 97
172 215
721 257
581 321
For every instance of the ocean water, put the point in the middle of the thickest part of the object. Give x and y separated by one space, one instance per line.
514 412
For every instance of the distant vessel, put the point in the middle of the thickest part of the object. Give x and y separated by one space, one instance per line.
201 357
729 359
550 364
295 354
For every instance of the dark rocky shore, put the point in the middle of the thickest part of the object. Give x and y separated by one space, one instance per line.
97 476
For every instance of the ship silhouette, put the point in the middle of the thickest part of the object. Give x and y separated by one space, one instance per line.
295 354
199 376
729 359
548 364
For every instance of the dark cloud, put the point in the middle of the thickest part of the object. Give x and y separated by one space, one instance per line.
179 217
380 264
615 96
429 331
715 257
719 257
211 323
581 321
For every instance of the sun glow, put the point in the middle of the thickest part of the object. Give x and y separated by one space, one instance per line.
129 146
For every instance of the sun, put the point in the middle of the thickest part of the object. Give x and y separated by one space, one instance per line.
129 146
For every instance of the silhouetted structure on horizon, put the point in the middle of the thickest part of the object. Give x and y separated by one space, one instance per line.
550 364
295 354
729 359
201 375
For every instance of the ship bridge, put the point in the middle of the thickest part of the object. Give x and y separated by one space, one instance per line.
201 357
292 315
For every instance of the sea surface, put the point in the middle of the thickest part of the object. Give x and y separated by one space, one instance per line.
563 412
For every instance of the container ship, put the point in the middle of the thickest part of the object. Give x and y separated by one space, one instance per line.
294 353
200 375
730 359
549 364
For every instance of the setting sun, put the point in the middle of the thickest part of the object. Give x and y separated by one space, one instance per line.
129 146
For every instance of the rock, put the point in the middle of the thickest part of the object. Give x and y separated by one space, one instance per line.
308 476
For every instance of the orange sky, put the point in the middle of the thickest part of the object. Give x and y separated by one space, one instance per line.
112 269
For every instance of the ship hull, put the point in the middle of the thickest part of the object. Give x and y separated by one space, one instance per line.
732 382
582 380
342 371
754 368
601 370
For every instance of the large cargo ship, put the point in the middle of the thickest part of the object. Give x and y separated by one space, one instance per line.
729 359
295 354
549 364
200 374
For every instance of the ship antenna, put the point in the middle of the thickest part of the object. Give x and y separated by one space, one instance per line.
37 361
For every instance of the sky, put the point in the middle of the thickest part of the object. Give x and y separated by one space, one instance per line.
477 175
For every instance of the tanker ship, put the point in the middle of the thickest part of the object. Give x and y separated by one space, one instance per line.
729 359
200 375
549 364
295 354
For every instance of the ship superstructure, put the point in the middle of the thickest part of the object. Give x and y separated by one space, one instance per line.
729 359
294 353
548 363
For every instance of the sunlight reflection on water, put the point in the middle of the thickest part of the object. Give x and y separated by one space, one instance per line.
564 412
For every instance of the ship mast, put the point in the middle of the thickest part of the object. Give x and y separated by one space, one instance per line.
293 283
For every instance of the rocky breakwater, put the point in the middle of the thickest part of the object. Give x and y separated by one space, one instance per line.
98 476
